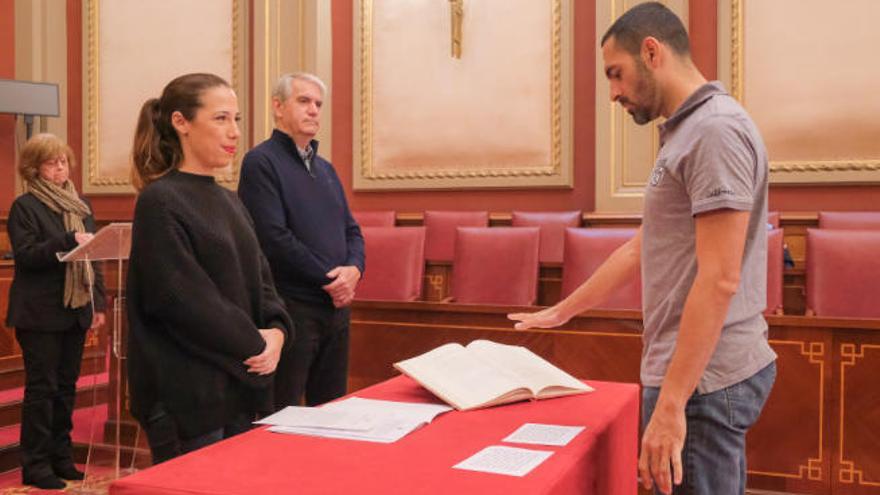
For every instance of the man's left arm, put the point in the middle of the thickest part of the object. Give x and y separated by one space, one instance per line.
346 277
720 240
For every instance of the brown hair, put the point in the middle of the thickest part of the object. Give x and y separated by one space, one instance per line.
38 149
648 19
156 149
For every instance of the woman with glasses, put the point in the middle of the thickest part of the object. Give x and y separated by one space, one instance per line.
51 305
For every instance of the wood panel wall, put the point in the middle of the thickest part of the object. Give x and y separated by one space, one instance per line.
11 364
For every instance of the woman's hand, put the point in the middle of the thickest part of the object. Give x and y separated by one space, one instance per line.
82 237
265 362
98 320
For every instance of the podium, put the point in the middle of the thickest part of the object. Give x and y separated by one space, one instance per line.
111 243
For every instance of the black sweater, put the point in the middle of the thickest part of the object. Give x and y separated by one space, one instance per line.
198 290
36 297
302 218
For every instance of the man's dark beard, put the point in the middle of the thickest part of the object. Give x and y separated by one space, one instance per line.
646 90
641 116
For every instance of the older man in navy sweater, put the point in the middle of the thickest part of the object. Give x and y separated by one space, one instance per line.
313 244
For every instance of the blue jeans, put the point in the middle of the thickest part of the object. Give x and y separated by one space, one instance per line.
714 454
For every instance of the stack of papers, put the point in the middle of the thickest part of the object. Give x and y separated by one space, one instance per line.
355 419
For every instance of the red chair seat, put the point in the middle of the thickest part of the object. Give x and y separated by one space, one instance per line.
585 250
496 265
849 220
395 258
552 225
774 272
375 218
440 231
843 273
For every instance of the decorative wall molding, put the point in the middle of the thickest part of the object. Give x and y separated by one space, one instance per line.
849 472
125 62
426 150
806 150
41 55
291 36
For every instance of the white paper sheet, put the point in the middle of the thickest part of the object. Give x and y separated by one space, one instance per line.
320 417
393 420
541 434
504 460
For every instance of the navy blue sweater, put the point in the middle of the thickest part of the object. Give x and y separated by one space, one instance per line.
302 218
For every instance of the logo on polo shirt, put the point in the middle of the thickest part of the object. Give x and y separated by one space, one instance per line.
721 191
657 173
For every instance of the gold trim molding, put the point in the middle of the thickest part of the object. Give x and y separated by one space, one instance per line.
794 172
556 173
94 181
812 470
849 354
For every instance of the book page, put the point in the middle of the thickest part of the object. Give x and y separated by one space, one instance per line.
459 377
531 370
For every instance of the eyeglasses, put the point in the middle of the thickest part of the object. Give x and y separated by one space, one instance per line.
54 162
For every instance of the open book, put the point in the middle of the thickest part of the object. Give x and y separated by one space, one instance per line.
486 374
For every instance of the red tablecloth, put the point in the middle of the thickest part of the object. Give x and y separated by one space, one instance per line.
600 460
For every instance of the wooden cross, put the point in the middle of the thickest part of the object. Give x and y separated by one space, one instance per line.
456 8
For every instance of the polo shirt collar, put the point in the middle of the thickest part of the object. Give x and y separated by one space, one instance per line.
703 94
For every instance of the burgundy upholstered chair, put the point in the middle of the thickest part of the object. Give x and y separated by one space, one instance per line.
849 220
774 272
440 231
496 265
585 250
773 219
843 273
395 264
553 225
375 218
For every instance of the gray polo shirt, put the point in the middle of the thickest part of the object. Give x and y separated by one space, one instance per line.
711 157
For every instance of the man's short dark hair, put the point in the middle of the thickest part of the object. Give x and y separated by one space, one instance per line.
648 19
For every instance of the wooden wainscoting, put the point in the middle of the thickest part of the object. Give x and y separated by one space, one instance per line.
818 434
11 364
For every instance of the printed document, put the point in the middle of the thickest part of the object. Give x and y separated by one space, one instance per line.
320 417
504 460
540 434
392 420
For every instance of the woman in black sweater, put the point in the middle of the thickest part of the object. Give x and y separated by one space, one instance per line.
50 306
206 326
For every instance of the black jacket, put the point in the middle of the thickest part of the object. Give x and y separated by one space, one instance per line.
36 297
198 290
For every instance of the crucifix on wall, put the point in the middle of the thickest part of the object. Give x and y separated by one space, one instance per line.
456 8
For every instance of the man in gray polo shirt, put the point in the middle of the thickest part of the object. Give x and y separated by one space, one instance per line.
707 368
